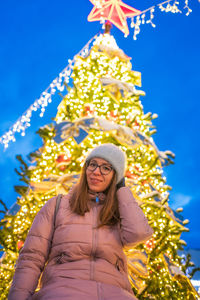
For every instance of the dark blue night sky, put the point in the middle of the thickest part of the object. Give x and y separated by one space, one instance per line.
38 37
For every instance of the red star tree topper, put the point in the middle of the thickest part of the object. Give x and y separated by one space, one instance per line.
114 11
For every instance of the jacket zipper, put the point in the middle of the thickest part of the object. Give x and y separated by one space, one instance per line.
94 242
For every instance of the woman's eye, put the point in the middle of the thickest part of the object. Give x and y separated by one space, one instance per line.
106 168
93 165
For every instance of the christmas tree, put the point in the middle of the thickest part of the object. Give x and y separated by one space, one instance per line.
102 104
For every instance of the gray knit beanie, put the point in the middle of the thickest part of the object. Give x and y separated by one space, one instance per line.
111 153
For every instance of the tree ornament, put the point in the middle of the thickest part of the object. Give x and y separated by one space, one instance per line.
113 115
136 124
78 130
135 167
113 10
55 184
150 244
20 244
88 111
128 174
158 267
62 161
117 88
144 182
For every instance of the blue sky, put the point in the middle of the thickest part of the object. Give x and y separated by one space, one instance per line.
38 38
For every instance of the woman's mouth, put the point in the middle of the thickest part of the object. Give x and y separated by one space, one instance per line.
95 180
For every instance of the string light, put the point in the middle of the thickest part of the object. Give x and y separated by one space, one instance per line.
140 19
58 84
187 7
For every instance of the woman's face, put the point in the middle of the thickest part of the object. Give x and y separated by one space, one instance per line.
98 182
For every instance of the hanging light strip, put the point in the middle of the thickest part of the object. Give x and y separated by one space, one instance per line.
58 84
172 6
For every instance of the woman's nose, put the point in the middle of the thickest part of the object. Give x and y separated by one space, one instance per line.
97 171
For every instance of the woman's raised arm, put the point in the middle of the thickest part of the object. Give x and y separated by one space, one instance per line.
134 227
34 253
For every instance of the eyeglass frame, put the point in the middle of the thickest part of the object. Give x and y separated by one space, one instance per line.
99 166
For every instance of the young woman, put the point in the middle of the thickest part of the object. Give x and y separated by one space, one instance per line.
83 253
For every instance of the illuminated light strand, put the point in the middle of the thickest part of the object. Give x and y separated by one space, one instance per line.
58 84
187 7
140 19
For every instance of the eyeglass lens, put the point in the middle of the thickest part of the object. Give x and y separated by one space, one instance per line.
104 169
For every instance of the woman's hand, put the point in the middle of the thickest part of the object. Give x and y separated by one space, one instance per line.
121 183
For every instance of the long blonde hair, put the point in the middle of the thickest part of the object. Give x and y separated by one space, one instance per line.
109 214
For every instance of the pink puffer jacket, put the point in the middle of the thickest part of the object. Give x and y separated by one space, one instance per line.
84 262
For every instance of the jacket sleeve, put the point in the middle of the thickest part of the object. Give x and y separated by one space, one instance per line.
34 254
134 227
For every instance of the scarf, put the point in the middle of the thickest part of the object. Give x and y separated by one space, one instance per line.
97 197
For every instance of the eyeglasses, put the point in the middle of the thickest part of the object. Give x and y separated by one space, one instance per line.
104 169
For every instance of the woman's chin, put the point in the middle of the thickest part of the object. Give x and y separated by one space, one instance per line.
95 189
